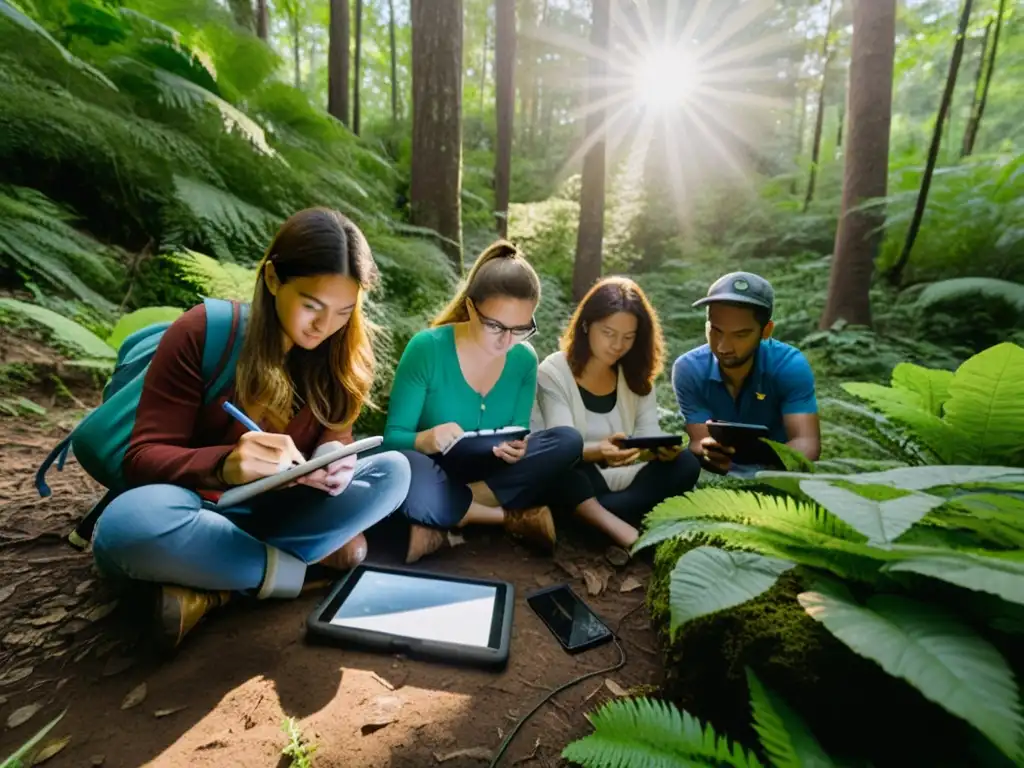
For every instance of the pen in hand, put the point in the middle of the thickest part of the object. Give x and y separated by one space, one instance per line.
246 422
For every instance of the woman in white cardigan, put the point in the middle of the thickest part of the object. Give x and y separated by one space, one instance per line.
602 384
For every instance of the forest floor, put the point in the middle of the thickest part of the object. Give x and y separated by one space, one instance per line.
66 642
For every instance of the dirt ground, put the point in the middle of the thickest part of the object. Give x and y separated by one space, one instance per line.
66 643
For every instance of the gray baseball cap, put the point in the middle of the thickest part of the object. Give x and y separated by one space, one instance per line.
741 288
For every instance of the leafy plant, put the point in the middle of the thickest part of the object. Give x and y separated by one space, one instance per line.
298 748
20 757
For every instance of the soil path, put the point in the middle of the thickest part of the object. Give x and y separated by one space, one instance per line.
221 701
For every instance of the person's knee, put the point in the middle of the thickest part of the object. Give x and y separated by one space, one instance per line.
393 475
432 498
685 469
141 515
566 446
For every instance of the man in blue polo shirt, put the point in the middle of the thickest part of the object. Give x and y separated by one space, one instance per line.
744 375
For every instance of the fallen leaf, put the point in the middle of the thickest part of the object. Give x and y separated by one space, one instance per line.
171 711
53 617
617 556
73 627
26 638
97 760
629 584
22 715
569 567
596 581
50 749
60 601
3 700
84 587
455 539
62 683
99 611
615 688
117 664
15 675
135 697
473 753
6 592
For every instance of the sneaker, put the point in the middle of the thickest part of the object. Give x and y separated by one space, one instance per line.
535 525
179 609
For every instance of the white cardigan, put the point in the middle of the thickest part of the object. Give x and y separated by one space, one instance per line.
559 404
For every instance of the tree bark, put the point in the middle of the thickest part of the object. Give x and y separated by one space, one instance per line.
589 239
975 122
337 61
437 121
869 117
296 44
394 62
819 118
262 19
483 58
357 66
979 81
800 128
505 107
896 273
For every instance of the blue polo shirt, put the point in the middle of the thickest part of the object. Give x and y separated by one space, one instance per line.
780 382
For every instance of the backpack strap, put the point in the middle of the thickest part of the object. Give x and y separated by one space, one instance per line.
225 333
58 454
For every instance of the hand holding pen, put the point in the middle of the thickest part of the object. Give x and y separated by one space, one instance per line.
258 453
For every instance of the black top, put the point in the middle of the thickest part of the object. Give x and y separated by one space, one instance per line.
598 403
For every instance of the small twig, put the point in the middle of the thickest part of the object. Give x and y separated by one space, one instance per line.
537 686
593 693
248 717
639 647
29 539
529 757
568 712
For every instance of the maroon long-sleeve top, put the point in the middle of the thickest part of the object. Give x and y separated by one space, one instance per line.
178 440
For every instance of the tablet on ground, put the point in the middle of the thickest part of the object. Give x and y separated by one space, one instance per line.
423 614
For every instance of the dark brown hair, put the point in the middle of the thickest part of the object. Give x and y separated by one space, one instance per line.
501 270
644 361
335 378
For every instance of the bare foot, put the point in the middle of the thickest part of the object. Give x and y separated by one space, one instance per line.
349 556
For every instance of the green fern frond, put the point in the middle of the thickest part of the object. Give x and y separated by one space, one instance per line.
646 733
65 332
784 735
241 230
213 278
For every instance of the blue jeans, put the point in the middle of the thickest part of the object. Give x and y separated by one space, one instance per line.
170 535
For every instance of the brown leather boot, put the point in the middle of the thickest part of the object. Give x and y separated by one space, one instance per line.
179 609
423 541
535 525
349 556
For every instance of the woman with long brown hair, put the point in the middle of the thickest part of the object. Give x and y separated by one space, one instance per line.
602 384
473 370
303 374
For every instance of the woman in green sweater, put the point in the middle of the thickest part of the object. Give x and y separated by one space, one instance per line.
472 370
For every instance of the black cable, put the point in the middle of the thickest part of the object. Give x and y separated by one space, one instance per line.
575 681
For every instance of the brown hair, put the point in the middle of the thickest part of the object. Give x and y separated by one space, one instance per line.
334 379
642 364
501 270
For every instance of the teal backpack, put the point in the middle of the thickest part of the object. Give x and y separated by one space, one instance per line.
100 440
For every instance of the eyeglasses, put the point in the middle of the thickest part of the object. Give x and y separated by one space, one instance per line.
496 329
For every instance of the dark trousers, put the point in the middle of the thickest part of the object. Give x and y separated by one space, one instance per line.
439 495
657 481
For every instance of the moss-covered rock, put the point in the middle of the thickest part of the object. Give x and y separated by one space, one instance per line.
854 708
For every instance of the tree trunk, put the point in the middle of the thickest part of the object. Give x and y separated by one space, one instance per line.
976 95
587 267
975 122
801 127
869 117
394 62
896 273
527 66
839 129
483 58
356 67
296 45
819 119
505 106
242 11
437 121
337 62
262 19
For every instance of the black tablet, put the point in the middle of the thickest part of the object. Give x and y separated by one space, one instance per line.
651 443
433 616
746 439
482 441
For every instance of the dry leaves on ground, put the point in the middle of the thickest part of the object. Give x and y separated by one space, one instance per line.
50 749
169 711
629 584
615 688
135 697
472 753
22 715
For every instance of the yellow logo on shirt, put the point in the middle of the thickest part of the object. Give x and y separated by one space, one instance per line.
760 395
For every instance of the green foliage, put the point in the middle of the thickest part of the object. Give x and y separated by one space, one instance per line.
298 749
784 735
66 333
20 757
139 319
974 416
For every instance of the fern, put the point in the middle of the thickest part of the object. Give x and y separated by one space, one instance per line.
65 332
784 735
645 733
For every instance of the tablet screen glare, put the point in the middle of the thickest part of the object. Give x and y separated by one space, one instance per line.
423 608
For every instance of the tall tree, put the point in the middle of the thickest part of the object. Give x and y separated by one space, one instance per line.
896 273
819 119
975 120
394 62
505 107
357 67
869 118
589 239
337 61
979 81
262 19
436 182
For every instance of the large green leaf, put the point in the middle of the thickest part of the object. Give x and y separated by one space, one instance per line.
986 402
904 478
646 733
140 318
708 579
931 385
784 735
66 331
880 521
950 290
933 650
982 573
